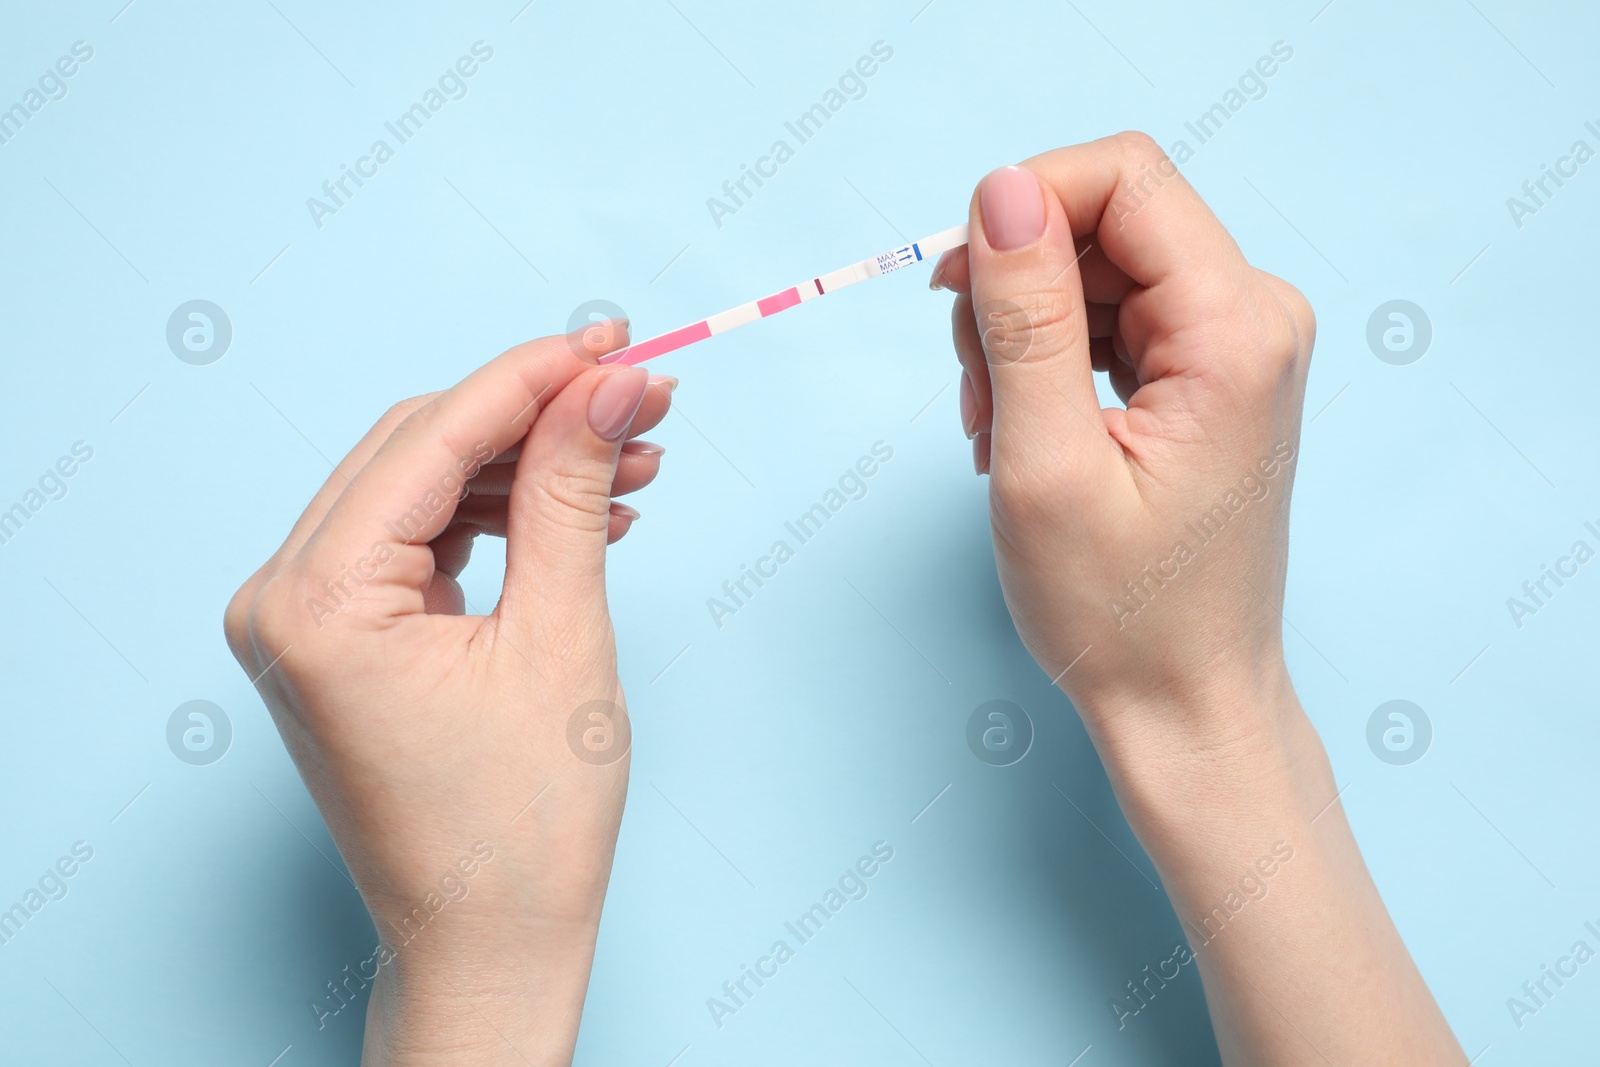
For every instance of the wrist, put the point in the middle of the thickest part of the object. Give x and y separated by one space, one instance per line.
480 1003
1208 780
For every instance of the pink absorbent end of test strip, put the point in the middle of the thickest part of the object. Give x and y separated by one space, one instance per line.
893 260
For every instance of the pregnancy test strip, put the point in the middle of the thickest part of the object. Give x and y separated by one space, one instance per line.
723 321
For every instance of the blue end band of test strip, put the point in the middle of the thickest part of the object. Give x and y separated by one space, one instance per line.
917 250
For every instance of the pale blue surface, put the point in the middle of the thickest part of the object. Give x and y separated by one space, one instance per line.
807 727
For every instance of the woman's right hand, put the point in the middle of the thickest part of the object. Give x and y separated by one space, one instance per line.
1141 551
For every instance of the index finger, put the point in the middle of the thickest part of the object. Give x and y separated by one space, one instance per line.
1135 217
1141 210
408 491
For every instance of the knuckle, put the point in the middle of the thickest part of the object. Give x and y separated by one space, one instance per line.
272 616
1297 321
412 416
403 410
1275 328
412 421
1138 146
1305 318
1033 324
578 498
236 621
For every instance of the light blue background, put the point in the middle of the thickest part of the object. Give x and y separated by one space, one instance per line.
769 754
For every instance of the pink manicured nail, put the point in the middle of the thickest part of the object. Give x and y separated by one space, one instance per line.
623 511
969 406
664 379
642 448
936 281
616 400
1013 208
980 453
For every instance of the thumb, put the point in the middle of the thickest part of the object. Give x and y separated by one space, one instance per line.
559 507
1027 296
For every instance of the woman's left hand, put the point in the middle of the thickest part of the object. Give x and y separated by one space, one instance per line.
471 767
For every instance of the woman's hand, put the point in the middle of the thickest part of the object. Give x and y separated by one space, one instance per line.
1143 551
471 767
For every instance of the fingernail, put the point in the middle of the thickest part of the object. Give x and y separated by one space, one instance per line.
1013 208
623 511
664 379
969 406
616 400
936 281
642 448
980 453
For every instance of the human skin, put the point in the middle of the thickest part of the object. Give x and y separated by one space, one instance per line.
1101 257
422 730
